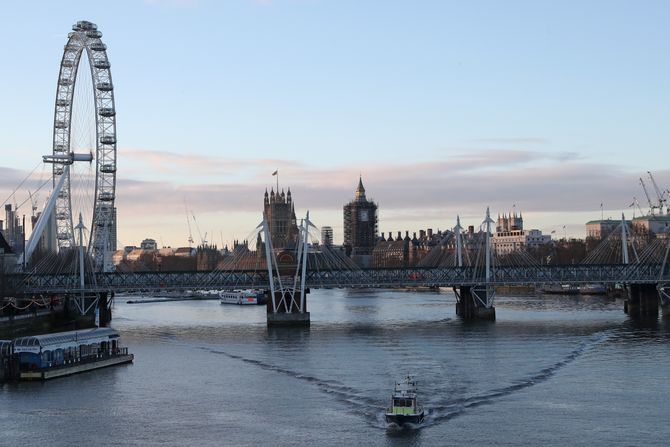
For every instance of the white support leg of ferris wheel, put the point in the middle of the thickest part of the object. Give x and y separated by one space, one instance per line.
44 218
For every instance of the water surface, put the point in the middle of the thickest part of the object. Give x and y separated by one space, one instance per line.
550 371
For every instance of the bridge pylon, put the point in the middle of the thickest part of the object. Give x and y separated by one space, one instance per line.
664 297
475 301
643 301
287 270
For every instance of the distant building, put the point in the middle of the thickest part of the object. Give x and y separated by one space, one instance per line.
8 260
279 211
166 251
406 251
208 257
600 229
510 236
149 244
138 253
131 258
119 256
13 230
652 226
327 236
185 252
390 253
48 242
360 225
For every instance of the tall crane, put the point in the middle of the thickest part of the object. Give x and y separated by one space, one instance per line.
659 195
33 203
636 204
188 223
203 240
652 207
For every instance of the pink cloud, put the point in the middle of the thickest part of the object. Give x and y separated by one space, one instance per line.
410 192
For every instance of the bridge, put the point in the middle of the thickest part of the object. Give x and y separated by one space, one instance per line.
474 274
153 282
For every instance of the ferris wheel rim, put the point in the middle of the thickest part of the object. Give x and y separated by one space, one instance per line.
85 38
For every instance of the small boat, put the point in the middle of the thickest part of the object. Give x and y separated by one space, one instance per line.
241 297
560 289
404 409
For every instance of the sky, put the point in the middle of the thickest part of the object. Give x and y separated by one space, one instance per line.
444 108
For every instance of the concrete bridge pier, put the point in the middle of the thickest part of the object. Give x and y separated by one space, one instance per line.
105 308
288 312
642 301
665 311
469 305
664 298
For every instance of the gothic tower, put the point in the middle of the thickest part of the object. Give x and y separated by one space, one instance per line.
360 223
279 211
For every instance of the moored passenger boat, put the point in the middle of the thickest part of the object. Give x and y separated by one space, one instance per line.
593 289
42 357
242 297
560 289
404 409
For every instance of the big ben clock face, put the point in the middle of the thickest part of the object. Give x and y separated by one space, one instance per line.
364 215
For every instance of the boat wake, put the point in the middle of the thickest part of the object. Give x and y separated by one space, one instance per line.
359 404
457 407
372 410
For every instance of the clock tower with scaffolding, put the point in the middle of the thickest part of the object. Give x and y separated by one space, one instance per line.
360 226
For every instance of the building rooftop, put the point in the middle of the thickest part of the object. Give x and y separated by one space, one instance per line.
665 218
605 221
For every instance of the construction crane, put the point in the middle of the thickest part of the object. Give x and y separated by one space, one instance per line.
188 223
203 240
652 207
636 204
33 203
660 195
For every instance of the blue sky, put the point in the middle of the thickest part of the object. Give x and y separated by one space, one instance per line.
444 107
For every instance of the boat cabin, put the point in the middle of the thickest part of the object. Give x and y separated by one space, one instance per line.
399 402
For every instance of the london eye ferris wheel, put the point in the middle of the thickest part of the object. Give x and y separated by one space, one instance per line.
84 145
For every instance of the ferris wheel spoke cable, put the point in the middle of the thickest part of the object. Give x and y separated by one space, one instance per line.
46 182
22 182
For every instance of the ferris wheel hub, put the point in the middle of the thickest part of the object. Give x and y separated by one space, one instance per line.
67 159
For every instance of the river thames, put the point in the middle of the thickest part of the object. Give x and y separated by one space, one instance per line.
558 370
